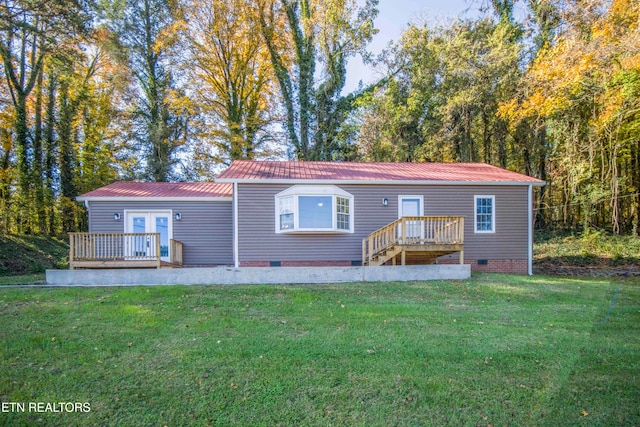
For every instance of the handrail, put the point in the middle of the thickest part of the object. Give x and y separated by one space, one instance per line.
414 230
175 252
121 249
113 246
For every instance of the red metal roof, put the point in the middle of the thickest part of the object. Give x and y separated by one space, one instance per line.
171 190
248 170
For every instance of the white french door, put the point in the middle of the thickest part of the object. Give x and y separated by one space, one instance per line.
149 222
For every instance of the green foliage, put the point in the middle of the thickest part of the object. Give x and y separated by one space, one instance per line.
555 97
59 73
499 350
30 34
442 102
312 34
591 248
143 29
230 78
21 254
577 90
87 101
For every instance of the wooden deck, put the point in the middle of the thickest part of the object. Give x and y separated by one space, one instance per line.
414 240
122 250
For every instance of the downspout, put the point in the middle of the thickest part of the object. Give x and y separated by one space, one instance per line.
236 260
86 205
530 231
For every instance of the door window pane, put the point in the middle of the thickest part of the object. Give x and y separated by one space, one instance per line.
139 224
139 242
410 207
162 227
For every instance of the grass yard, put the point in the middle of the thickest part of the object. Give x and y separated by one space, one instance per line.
494 350
590 249
31 255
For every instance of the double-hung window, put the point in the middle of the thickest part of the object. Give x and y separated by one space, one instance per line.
314 209
485 214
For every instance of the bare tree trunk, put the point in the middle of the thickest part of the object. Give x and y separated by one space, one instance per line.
38 184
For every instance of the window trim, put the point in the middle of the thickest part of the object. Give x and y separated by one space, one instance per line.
493 214
296 191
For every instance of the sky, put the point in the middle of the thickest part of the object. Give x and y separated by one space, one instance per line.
393 17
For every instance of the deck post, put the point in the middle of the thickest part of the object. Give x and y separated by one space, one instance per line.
158 254
364 252
71 250
403 257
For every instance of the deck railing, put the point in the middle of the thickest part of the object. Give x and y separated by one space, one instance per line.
121 250
414 230
175 252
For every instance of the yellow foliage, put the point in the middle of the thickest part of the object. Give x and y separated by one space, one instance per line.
574 66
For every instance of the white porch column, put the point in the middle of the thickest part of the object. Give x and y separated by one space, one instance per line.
236 259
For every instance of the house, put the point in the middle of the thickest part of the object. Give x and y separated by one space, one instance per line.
273 213
197 216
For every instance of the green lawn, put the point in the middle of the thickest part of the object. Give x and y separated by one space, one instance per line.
591 249
29 255
25 279
494 350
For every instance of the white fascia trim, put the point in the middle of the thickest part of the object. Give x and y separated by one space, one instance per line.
372 182
154 199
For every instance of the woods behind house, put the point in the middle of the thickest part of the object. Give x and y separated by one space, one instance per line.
166 90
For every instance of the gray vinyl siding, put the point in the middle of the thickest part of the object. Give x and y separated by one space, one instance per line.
205 229
258 241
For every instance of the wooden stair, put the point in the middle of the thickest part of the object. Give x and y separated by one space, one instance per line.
414 240
385 255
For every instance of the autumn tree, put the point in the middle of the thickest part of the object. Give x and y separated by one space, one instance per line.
29 32
582 87
229 75
441 103
310 43
6 169
145 31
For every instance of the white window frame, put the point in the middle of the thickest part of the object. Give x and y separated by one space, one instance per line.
493 214
295 192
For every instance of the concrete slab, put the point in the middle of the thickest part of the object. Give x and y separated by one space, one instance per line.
256 275
416 272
